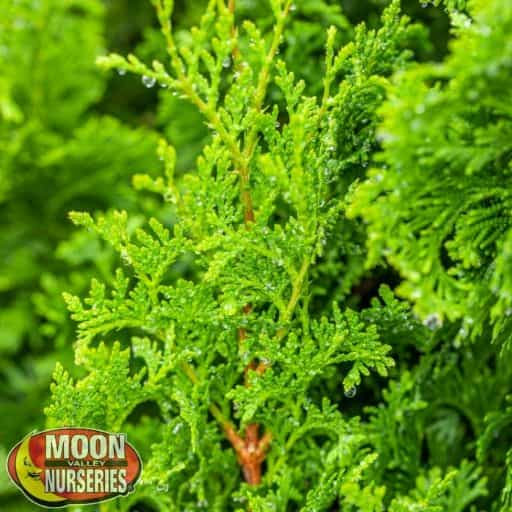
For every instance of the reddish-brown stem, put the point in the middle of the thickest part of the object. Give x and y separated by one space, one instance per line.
236 51
250 451
245 193
249 212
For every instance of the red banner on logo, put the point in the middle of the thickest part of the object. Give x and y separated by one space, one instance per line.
64 466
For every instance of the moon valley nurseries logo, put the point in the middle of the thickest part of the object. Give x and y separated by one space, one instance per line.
65 466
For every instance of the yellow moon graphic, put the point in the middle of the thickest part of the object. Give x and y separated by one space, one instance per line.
29 476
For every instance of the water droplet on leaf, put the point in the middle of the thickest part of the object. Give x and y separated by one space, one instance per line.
432 321
148 81
351 392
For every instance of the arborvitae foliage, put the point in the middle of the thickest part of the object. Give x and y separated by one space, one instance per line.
244 343
225 346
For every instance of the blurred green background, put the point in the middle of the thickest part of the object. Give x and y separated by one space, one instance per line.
71 137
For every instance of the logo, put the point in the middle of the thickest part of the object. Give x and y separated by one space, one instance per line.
64 466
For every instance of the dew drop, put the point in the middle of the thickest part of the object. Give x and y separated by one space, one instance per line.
148 81
432 321
121 72
351 392
226 62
